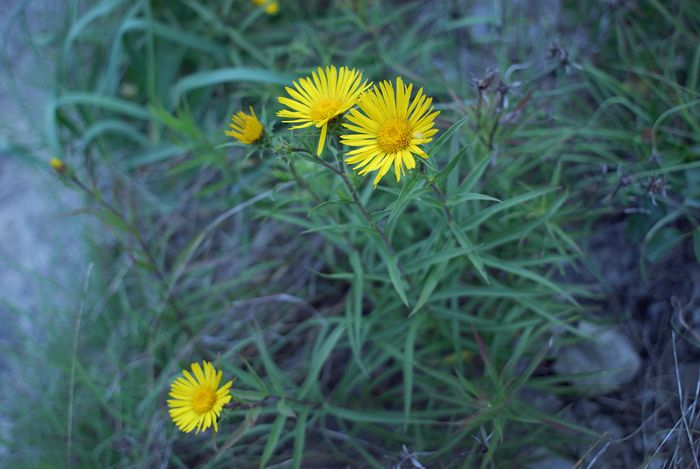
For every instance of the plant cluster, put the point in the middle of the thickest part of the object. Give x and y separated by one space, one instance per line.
412 321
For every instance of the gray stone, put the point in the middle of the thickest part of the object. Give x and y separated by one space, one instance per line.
551 461
42 250
606 425
610 357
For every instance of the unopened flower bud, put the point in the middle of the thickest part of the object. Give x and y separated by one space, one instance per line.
58 165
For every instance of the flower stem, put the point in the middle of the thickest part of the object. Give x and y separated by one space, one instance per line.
358 202
443 199
340 171
301 182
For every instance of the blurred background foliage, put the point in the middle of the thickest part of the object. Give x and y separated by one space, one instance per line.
425 333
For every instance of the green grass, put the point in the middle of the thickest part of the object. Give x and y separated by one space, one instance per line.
420 329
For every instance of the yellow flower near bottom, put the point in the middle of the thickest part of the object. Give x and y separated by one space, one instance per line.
197 400
388 129
271 7
246 128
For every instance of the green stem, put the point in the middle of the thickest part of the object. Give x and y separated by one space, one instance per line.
340 171
358 202
271 399
441 196
303 184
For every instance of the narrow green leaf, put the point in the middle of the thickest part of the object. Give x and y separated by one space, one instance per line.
175 35
694 74
273 439
437 257
226 75
300 439
374 416
535 414
283 408
273 371
251 418
102 101
340 227
259 383
408 369
454 161
472 20
153 155
467 196
442 139
115 221
524 376
475 175
246 395
519 232
530 275
492 291
94 100
326 203
661 244
483 324
395 277
183 123
83 21
354 309
113 127
319 359
410 191
489 212
545 313
471 253
429 284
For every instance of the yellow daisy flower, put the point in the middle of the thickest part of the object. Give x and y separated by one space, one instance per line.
316 101
389 128
271 7
197 401
246 128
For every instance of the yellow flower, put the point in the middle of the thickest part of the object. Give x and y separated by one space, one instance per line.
271 7
197 401
389 129
57 165
246 128
315 102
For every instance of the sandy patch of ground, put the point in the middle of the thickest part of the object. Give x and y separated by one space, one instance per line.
42 249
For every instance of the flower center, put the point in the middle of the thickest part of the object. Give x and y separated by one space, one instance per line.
394 135
325 109
203 400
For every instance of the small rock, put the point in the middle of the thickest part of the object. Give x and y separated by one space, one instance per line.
550 404
551 461
610 356
606 425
